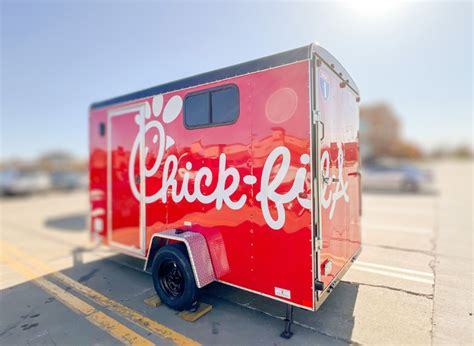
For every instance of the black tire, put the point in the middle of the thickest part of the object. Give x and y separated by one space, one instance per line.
173 277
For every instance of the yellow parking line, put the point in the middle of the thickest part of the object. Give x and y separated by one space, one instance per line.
127 313
98 318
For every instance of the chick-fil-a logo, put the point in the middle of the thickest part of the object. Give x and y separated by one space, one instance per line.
227 179
330 197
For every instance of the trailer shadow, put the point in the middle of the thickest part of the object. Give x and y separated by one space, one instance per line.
28 311
70 223
334 321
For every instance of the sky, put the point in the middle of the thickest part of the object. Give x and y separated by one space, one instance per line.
59 57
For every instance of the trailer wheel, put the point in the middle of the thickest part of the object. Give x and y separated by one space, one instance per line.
173 277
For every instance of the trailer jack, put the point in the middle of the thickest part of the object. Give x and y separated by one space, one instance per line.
287 333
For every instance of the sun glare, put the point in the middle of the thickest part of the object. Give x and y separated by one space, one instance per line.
373 8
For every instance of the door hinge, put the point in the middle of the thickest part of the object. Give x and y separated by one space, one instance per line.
319 244
318 285
316 114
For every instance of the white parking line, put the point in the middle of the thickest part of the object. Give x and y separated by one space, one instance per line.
386 273
395 229
397 269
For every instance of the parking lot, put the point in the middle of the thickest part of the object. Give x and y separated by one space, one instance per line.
412 284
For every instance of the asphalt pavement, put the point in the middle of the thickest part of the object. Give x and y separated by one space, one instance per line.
412 283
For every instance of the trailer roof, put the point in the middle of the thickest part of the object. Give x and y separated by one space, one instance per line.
271 61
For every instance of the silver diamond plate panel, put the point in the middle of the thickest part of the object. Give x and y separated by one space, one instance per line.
198 254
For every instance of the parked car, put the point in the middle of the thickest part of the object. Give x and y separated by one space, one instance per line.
68 180
395 176
19 182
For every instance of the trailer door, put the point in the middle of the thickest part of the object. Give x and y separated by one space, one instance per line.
125 178
338 174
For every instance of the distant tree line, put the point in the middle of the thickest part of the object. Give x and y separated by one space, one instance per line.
380 136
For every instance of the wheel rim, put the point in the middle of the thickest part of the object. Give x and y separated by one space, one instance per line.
171 278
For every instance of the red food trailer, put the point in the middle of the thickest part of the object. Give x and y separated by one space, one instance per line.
246 175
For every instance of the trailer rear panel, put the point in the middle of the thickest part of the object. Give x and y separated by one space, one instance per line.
339 184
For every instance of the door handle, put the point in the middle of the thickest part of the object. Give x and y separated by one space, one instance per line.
137 179
330 180
322 130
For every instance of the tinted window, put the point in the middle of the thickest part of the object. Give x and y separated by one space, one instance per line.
197 110
225 105
102 129
216 106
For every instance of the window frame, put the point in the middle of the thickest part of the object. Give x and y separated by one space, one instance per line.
210 91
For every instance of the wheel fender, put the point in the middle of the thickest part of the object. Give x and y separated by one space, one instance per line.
198 253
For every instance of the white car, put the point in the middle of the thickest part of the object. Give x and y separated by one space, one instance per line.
16 182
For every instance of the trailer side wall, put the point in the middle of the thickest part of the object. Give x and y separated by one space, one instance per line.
245 186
